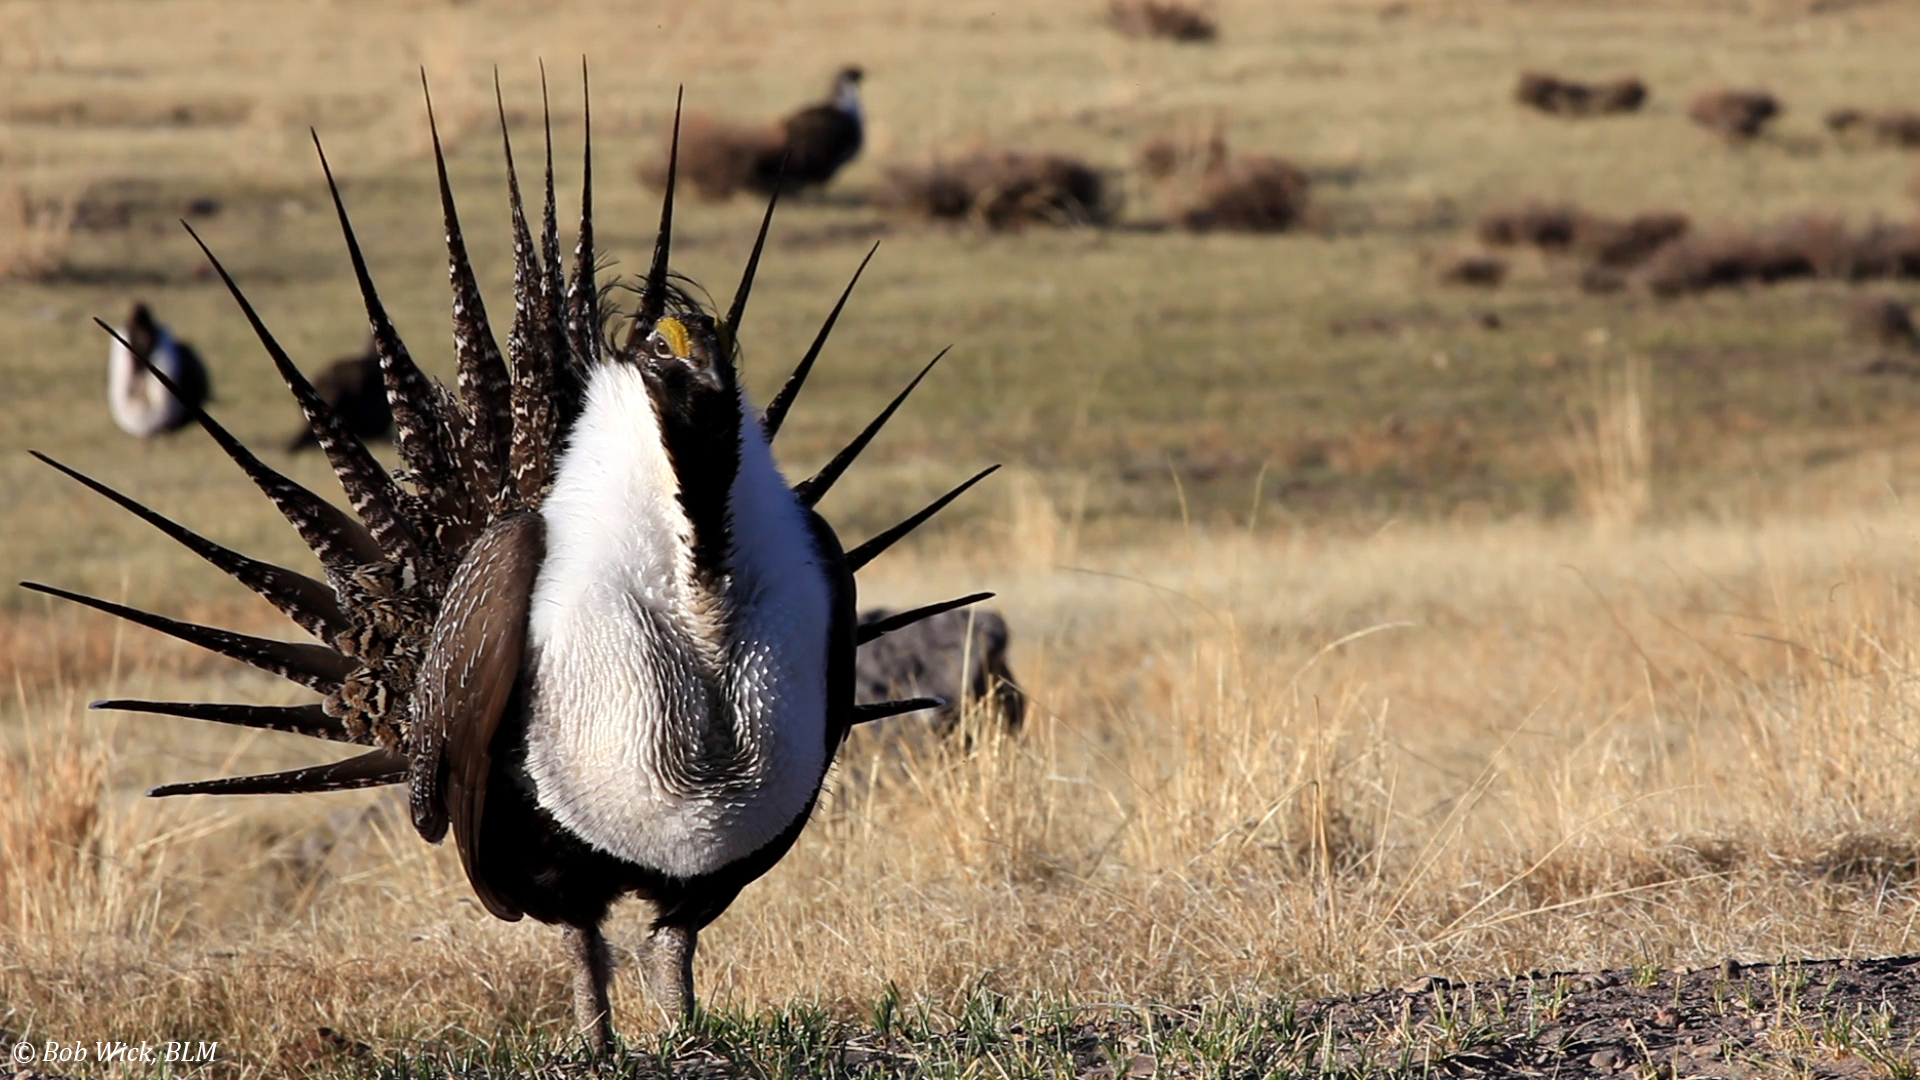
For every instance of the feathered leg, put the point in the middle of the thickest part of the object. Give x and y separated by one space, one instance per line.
592 967
669 963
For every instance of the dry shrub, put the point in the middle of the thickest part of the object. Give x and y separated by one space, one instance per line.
1169 19
1536 224
1887 250
720 158
1882 321
1610 242
1251 194
1627 243
1568 97
1608 448
1894 127
1734 113
1474 268
1004 189
1808 245
34 233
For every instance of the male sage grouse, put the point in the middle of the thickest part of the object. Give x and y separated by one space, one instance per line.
141 403
588 624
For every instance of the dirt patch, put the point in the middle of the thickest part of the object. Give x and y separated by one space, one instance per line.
1831 1018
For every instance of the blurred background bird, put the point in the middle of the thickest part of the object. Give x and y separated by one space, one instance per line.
141 404
352 386
720 157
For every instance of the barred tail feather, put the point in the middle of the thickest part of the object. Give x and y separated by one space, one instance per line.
536 423
569 377
307 602
422 414
583 295
315 666
484 382
373 493
368 770
310 720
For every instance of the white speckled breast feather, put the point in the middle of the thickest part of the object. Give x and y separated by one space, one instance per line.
650 743
139 403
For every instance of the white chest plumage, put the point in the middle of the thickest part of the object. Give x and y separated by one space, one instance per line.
140 404
652 736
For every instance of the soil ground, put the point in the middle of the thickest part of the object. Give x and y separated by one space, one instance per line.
1809 1019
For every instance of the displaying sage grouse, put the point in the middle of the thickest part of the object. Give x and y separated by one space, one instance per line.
589 626
959 657
356 391
137 395
820 139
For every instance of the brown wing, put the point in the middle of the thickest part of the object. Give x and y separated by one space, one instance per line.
820 139
466 680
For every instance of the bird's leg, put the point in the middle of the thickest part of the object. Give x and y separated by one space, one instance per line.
669 963
592 964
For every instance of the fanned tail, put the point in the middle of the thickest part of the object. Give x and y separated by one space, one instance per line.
471 460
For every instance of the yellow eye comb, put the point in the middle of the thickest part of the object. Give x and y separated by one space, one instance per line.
674 333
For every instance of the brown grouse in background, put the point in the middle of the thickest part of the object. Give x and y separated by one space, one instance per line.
720 157
354 388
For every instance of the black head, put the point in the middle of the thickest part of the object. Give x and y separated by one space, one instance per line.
685 358
141 330
849 76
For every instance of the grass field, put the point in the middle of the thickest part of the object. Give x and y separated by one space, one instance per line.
1367 640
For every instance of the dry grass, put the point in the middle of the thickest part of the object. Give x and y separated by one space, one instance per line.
33 234
1609 447
1284 765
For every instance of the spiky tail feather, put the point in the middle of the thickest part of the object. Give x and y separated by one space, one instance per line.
465 467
